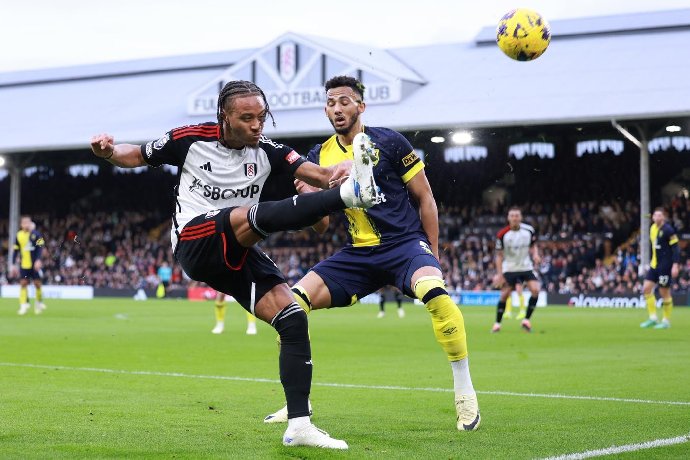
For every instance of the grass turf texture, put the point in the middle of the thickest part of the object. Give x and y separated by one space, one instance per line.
58 412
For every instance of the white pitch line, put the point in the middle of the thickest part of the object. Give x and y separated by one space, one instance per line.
346 385
627 448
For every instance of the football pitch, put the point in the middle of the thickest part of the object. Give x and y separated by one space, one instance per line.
113 378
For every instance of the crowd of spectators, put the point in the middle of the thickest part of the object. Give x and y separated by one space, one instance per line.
585 247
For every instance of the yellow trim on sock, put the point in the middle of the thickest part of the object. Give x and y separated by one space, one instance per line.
306 306
23 294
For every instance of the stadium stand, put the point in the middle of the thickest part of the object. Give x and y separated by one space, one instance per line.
588 244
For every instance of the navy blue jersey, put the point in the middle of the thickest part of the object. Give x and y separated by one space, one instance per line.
395 166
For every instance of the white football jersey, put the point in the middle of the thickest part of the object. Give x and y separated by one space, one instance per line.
212 176
515 245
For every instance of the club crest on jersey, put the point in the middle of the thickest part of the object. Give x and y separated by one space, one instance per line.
250 170
161 142
212 213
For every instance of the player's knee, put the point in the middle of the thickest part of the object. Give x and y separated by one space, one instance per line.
428 288
292 324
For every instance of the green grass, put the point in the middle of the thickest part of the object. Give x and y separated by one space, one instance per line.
59 411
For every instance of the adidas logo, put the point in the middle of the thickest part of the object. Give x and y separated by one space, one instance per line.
207 167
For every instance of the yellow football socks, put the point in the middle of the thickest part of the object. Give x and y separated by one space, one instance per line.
39 295
23 295
447 321
651 305
220 310
250 318
668 308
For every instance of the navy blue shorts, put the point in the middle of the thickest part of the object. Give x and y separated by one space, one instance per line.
29 274
660 276
354 272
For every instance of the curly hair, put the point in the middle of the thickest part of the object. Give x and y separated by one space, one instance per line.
345 80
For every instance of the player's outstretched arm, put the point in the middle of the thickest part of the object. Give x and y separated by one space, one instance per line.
321 177
122 155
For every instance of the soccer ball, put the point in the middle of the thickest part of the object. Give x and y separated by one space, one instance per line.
523 34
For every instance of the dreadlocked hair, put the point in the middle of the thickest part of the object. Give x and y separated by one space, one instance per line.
237 88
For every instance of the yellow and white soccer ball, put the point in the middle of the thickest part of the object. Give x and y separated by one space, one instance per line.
523 34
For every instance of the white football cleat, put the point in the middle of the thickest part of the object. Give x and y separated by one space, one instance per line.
360 190
312 437
220 327
401 313
39 308
23 308
467 409
381 314
281 415
251 328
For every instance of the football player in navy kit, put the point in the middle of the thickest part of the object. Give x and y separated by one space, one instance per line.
393 243
218 218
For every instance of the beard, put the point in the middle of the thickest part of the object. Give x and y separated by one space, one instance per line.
347 127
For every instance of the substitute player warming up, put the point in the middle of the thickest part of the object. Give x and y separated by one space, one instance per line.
516 255
662 269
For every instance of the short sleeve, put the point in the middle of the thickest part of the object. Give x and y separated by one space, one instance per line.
165 150
314 154
672 236
283 158
407 162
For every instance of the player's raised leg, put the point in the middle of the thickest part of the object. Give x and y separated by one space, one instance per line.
358 191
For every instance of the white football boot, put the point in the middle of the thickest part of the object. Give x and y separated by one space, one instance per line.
467 409
23 308
360 190
39 307
220 327
311 436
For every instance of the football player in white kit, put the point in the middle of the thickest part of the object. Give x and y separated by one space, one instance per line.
516 255
219 217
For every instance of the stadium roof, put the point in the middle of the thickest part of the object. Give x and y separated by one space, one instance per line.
631 66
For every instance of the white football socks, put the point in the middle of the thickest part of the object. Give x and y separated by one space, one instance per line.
461 377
